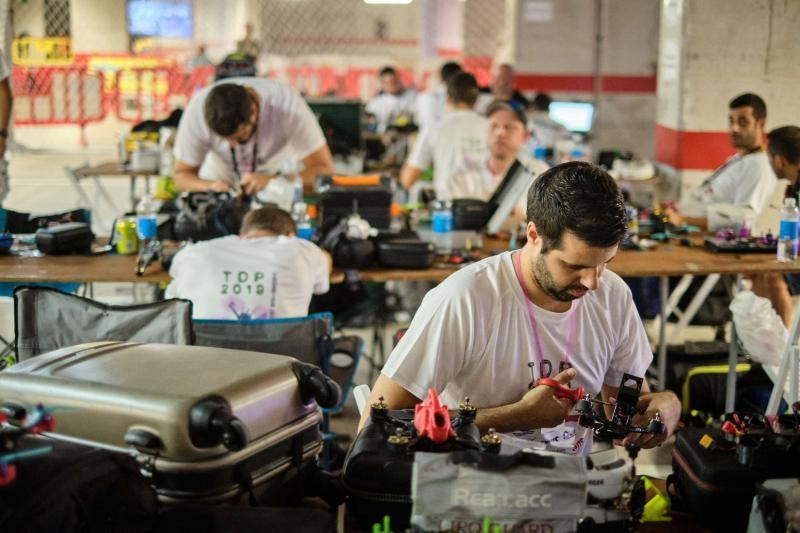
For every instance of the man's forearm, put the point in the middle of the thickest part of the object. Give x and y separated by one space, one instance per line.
505 418
190 182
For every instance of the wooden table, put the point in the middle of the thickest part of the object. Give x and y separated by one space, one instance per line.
667 260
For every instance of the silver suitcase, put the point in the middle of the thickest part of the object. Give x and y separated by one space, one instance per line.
206 424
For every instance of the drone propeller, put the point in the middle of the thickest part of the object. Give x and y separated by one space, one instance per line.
8 458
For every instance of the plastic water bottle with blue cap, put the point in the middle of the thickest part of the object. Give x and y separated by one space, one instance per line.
442 226
146 223
787 236
302 222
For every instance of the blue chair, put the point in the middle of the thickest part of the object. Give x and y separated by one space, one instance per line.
309 339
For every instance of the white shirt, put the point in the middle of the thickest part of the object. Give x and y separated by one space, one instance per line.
265 277
285 120
431 107
387 107
472 336
456 145
743 180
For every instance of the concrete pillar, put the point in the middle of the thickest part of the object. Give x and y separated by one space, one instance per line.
709 52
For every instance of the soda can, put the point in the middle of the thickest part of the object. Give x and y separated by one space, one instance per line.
127 241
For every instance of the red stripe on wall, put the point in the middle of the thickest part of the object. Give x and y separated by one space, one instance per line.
585 83
692 150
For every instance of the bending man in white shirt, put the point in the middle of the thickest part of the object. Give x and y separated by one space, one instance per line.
246 122
265 272
551 304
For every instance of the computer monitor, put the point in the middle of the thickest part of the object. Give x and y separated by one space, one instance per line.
514 186
340 120
159 18
575 116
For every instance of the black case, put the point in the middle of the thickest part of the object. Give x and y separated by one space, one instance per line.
715 486
69 238
338 199
406 253
378 478
470 214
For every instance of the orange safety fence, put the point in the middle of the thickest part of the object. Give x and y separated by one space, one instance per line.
57 95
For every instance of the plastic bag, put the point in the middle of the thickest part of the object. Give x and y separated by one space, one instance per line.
759 327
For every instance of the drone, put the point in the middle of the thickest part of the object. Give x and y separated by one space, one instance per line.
432 427
38 421
620 423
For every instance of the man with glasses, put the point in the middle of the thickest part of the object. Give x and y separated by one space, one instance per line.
250 124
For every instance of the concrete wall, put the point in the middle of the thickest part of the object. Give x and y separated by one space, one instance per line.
99 26
558 55
711 51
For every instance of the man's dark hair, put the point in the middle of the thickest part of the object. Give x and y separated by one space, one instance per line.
270 219
785 141
463 89
750 100
448 70
580 198
387 70
227 107
541 102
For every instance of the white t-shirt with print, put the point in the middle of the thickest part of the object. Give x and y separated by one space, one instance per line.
285 121
472 337
265 277
455 145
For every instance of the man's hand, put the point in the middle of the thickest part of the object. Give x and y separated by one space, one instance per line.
667 405
219 186
545 409
252 183
673 217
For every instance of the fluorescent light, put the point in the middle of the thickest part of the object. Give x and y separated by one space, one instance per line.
388 1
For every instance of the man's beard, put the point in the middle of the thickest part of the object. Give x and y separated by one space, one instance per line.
744 141
544 279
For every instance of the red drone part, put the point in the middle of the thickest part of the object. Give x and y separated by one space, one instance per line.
432 420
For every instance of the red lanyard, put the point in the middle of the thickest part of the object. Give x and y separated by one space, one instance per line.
532 316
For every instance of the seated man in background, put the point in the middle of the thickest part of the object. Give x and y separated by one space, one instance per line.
458 141
783 150
392 101
501 89
551 305
265 272
246 122
746 178
432 104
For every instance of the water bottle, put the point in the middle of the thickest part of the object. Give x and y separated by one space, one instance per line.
302 222
787 237
146 224
442 226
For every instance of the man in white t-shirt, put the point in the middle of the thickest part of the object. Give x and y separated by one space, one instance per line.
6 104
393 101
746 178
551 304
265 272
432 104
246 122
456 143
